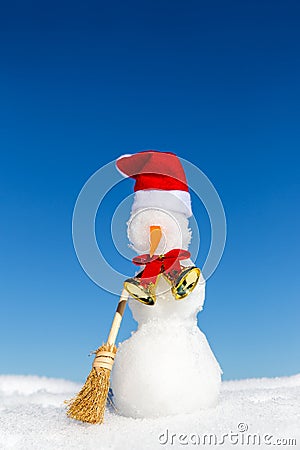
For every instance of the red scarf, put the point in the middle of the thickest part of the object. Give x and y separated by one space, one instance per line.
160 263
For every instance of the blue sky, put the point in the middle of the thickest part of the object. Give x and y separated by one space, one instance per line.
82 83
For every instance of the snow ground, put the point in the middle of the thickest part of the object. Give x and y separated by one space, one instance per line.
32 416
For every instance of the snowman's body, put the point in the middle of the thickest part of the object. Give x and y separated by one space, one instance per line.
166 367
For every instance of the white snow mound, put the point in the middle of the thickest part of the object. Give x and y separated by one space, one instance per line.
32 416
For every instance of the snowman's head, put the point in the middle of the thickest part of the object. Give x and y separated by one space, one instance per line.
173 226
161 200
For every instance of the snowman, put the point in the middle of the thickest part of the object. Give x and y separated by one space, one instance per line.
166 367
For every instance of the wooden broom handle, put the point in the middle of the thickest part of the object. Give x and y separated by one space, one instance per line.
117 318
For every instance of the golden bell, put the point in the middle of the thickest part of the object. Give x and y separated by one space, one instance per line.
144 293
183 282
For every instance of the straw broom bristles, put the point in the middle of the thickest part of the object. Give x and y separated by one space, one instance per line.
89 404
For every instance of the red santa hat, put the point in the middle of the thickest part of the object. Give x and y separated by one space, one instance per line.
160 181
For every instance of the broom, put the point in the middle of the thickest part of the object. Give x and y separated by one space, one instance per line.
89 404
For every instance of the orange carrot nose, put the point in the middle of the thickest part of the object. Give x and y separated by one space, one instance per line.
155 237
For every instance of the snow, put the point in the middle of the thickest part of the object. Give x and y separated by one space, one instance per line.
167 366
168 373
32 416
175 230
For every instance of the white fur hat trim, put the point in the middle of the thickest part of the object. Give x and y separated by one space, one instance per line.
174 200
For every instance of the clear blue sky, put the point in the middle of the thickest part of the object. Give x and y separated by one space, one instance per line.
83 82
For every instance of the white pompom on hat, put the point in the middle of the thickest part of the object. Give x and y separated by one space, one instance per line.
160 181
